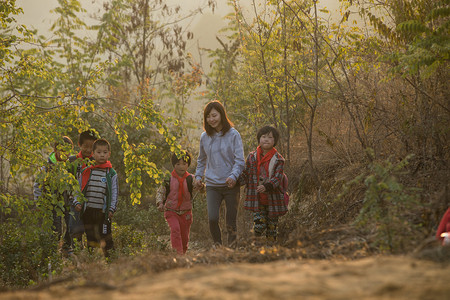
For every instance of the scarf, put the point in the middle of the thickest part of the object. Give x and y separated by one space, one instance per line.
262 161
180 186
79 155
86 173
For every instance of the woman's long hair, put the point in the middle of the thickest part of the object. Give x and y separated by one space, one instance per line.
226 123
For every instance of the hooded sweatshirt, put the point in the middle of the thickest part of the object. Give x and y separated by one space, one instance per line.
220 156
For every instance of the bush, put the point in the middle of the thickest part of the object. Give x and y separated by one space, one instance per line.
385 203
148 220
27 254
130 241
137 228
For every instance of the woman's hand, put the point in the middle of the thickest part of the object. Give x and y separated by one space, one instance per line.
78 207
230 182
198 184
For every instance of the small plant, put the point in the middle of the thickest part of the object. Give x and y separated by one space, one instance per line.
385 202
129 241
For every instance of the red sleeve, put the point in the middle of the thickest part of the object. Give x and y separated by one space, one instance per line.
443 225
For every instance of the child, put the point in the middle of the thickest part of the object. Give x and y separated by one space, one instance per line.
99 185
444 228
175 199
85 142
263 176
41 186
221 161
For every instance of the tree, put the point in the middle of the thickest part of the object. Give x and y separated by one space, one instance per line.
144 41
49 89
412 46
273 64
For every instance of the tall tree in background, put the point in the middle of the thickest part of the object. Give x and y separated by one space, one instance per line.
275 72
144 40
145 45
412 40
383 87
54 87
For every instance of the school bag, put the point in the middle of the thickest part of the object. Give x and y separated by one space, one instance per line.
284 188
284 181
189 181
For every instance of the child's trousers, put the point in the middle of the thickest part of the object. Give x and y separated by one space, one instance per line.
58 227
94 220
263 223
180 225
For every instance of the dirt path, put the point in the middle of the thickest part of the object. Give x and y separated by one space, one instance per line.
368 278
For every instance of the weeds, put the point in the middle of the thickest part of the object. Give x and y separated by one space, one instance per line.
385 203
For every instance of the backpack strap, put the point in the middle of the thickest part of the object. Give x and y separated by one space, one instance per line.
285 182
167 186
189 181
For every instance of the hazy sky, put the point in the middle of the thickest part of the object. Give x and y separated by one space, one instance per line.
205 26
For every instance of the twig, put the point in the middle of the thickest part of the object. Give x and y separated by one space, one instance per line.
50 283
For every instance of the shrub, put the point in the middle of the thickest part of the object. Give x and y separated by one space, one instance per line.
27 254
130 241
385 203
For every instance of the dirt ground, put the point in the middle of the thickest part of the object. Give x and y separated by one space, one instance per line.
330 264
375 277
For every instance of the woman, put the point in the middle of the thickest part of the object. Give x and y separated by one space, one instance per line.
220 161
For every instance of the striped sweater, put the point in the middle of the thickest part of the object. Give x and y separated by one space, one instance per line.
100 188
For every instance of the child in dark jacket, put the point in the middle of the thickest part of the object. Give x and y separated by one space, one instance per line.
175 199
99 185
263 176
47 187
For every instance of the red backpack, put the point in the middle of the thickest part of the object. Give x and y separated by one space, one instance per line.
284 189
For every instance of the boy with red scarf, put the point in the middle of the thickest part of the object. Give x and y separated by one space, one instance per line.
99 185
85 142
174 198
263 176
